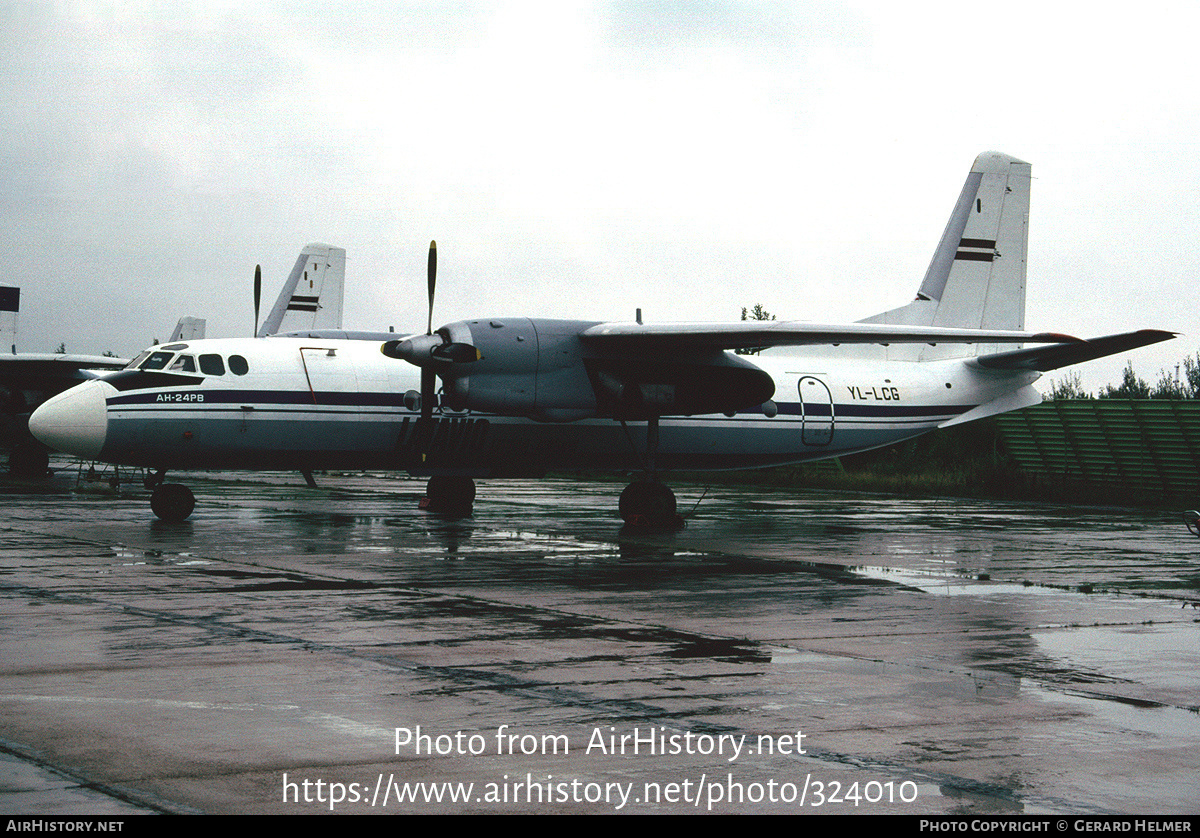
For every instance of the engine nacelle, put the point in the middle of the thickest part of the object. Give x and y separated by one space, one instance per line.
532 368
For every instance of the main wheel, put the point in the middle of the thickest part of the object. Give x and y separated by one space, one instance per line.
449 494
172 502
648 503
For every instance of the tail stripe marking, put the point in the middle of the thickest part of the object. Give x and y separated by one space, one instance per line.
976 250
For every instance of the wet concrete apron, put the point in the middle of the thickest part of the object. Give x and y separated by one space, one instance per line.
293 650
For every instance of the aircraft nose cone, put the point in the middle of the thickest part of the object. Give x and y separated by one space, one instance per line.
75 421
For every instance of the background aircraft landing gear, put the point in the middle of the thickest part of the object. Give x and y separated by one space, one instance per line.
449 495
172 502
650 504
29 460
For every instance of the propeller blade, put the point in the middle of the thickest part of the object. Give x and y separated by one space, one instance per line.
257 295
432 272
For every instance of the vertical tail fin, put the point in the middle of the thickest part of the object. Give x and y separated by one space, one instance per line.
976 279
312 296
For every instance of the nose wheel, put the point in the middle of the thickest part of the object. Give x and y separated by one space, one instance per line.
172 502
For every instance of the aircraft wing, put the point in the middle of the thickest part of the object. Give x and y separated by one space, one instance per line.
753 334
1045 358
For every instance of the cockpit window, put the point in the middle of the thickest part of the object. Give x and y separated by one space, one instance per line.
212 365
184 363
238 365
136 362
156 361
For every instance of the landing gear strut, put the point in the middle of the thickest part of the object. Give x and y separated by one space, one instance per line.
648 503
449 495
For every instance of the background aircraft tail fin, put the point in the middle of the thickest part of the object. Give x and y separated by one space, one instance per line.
188 328
312 296
10 304
976 279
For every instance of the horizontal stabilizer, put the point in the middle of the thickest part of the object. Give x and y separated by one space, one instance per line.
751 334
1045 358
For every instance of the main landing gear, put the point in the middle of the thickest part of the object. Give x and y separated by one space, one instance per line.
449 495
648 503
171 502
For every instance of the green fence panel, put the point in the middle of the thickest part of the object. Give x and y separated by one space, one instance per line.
1151 444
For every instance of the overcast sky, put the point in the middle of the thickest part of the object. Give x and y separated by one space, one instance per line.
582 160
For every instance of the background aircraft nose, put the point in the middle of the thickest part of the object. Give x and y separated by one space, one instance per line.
75 421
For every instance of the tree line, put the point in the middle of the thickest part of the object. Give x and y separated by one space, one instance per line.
1184 384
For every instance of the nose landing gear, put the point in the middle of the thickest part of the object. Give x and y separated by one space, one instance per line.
171 502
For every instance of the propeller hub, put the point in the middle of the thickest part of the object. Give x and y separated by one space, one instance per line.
416 350
430 351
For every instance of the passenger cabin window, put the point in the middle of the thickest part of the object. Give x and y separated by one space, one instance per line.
184 363
156 361
212 365
238 365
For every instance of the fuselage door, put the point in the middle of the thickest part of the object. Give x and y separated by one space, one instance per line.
816 405
330 375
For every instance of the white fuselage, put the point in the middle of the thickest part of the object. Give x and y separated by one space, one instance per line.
303 404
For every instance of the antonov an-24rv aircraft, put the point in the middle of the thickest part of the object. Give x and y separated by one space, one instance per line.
520 396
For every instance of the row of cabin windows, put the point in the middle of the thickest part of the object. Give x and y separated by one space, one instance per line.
209 364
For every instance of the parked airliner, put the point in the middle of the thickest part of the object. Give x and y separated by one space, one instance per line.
520 396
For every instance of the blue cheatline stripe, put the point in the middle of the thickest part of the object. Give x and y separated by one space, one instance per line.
297 397
219 400
842 411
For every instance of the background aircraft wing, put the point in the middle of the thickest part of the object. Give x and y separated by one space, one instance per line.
1044 358
55 367
752 334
